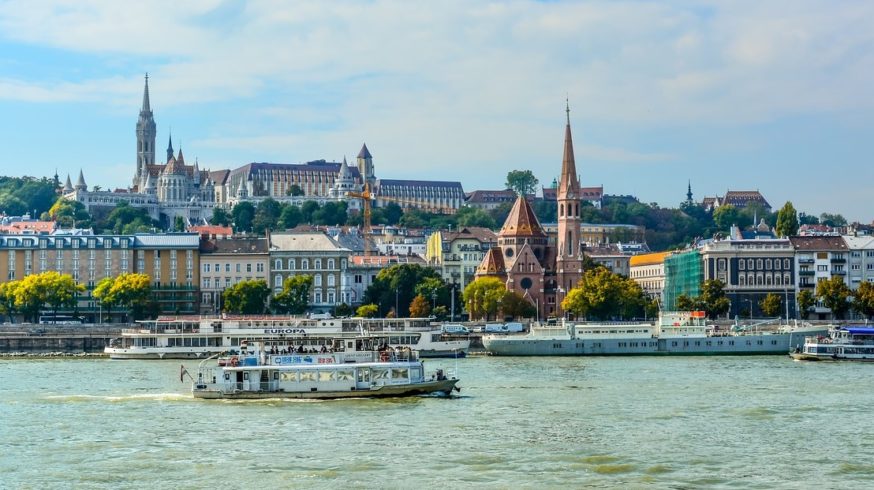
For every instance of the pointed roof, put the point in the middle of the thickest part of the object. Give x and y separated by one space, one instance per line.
180 159
522 221
147 107
173 167
364 153
568 184
81 181
492 264
68 186
170 146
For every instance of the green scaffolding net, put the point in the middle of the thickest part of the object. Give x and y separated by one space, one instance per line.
684 273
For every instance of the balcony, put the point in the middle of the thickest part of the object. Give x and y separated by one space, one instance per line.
807 285
806 261
839 273
806 273
838 261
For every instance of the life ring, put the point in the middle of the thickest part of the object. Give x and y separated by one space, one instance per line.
234 361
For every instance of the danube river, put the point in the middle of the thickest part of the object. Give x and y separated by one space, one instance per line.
749 422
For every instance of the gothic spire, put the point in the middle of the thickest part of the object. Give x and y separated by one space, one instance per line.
568 181
170 147
68 185
689 192
146 106
364 153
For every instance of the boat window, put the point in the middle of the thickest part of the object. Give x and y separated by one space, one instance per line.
307 376
380 374
326 375
402 373
245 374
292 376
345 376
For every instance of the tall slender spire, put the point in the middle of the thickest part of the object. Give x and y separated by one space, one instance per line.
146 105
568 181
689 192
170 147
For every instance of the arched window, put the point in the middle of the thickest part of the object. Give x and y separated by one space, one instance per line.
778 279
768 279
331 297
305 264
291 265
277 265
786 280
759 264
561 209
331 264
317 296
331 281
318 264
317 281
759 280
277 281
750 264
742 280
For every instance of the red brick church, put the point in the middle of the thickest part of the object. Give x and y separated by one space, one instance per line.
542 268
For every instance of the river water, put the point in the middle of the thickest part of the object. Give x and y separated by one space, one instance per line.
678 422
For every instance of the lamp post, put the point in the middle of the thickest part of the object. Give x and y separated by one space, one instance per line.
397 303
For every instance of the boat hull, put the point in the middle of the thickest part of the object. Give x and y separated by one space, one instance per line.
771 344
442 354
801 356
443 387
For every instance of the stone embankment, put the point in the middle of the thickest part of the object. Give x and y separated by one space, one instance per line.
28 340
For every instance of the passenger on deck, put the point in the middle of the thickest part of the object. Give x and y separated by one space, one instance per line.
324 349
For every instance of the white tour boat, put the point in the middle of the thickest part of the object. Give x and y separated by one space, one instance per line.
197 337
850 343
349 368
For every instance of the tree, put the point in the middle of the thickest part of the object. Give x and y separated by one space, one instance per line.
47 288
482 296
294 190
787 220
295 295
69 213
220 217
130 291
179 224
419 307
863 299
771 304
833 220
125 219
602 295
834 294
687 303
246 297
367 311
266 216
515 305
713 298
243 214
522 181
290 217
343 310
469 216
307 210
396 286
7 299
806 300
725 216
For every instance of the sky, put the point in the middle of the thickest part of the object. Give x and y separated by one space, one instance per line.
740 95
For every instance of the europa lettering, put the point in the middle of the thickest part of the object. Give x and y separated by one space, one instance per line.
285 331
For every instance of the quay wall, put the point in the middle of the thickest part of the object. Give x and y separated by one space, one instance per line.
66 339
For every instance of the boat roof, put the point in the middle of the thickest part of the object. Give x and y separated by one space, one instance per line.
859 330
310 367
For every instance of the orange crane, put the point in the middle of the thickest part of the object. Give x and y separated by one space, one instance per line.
366 197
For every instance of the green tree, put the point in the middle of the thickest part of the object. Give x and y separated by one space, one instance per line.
220 217
246 297
725 216
420 307
522 181
787 220
130 291
515 305
266 216
468 216
179 224
367 311
713 299
47 288
308 210
482 297
396 286
834 294
69 213
863 299
602 295
7 299
243 214
771 304
343 310
687 303
434 289
295 295
833 220
125 218
103 294
806 300
290 217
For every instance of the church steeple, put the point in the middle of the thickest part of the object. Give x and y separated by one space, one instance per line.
145 134
689 193
569 259
170 148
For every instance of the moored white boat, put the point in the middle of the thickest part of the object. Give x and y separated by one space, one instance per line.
343 372
675 333
849 343
195 337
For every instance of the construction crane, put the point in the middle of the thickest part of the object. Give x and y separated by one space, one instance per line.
367 197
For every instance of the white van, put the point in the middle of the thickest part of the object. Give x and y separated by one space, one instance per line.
514 327
455 329
320 316
495 328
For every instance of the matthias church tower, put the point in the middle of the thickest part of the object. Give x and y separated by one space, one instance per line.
145 135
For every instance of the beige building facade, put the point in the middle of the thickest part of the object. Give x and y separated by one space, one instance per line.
225 262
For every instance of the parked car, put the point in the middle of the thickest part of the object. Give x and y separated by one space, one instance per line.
455 329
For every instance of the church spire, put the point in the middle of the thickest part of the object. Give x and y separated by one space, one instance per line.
170 148
689 193
147 107
568 183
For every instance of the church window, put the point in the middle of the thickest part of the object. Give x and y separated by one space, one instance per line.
526 283
508 252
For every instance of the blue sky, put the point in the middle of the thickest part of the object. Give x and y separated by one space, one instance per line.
768 95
